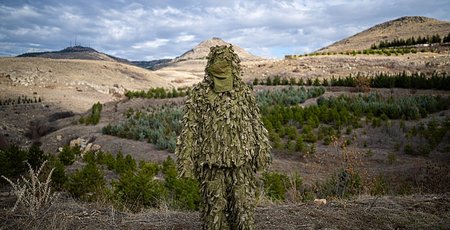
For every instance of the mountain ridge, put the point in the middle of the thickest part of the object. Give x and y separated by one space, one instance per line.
76 52
400 28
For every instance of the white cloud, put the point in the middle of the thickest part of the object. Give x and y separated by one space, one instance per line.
185 38
151 44
36 31
24 11
138 30
115 29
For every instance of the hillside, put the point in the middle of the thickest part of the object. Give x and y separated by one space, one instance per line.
201 50
152 65
72 84
424 59
76 52
404 27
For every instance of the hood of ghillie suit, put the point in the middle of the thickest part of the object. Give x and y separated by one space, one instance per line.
223 71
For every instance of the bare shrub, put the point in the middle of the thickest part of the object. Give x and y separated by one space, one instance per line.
32 194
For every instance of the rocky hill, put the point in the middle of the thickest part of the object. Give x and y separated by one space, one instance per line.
76 52
189 68
401 28
202 49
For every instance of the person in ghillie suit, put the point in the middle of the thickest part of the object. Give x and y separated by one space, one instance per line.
223 143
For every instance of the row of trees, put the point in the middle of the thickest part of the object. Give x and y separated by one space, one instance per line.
278 80
412 41
158 92
437 80
20 100
440 81
394 47
384 51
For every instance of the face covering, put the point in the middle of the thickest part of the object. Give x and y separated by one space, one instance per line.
221 73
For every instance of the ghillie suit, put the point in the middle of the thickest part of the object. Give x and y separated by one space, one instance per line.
223 143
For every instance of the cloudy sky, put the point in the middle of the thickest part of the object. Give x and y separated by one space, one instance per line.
154 29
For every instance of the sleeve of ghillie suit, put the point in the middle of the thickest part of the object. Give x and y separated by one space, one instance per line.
187 141
263 157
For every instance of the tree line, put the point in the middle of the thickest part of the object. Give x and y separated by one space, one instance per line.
23 99
158 92
436 80
412 41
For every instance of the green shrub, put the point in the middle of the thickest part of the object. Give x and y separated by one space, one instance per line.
255 81
290 145
424 150
124 164
308 135
392 158
183 193
59 177
277 144
299 145
312 149
13 160
344 183
408 149
327 140
275 185
379 186
292 81
94 117
348 131
268 81
316 82
36 156
137 190
87 184
68 154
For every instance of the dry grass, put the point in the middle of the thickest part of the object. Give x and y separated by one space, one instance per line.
33 195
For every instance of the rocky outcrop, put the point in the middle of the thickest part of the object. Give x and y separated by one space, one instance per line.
85 145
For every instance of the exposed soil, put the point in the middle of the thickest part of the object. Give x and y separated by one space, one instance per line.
365 212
